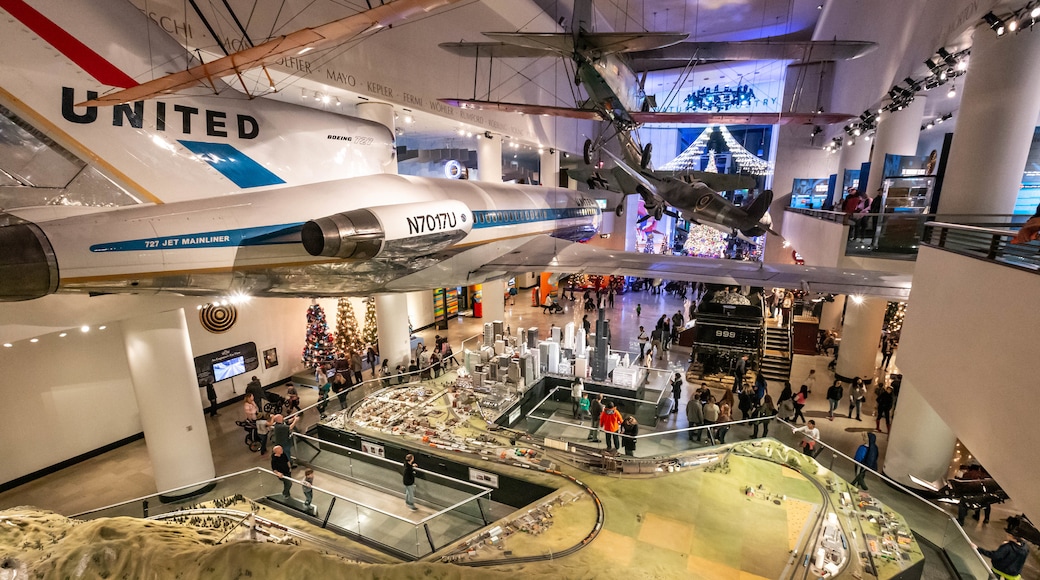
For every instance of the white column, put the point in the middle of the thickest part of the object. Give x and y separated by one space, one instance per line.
382 113
491 294
830 316
1000 103
897 134
549 167
854 153
489 158
167 391
920 444
392 323
857 356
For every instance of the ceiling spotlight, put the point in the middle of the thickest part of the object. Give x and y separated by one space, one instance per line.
462 132
63 335
102 327
943 75
8 345
953 92
84 328
962 65
995 23
1035 12
34 340
337 102
409 119
1012 25
856 299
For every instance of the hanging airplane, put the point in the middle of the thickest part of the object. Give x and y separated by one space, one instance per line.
220 195
615 95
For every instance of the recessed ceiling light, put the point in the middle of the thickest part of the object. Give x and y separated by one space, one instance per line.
102 327
34 340
84 328
8 345
63 335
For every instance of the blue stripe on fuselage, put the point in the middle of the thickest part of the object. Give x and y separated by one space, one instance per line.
512 217
241 169
256 236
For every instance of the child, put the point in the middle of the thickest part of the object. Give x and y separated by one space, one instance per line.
308 488
263 427
639 310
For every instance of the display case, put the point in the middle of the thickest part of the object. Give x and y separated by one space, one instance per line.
908 194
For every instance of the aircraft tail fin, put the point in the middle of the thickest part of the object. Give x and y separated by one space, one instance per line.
760 206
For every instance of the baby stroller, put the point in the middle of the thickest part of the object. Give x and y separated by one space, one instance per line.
276 403
553 308
589 305
252 439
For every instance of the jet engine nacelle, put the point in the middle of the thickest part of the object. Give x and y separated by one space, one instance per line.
29 269
391 231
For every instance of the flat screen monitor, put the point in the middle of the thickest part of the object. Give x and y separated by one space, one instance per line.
229 368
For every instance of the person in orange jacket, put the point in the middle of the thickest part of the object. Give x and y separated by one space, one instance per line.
610 421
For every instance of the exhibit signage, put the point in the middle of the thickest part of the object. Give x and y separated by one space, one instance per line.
227 363
483 477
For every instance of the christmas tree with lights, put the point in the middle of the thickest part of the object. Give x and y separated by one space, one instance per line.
318 347
347 335
370 332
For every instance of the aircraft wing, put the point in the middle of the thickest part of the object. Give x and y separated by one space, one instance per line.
806 51
710 118
595 44
573 113
296 43
546 254
497 50
716 181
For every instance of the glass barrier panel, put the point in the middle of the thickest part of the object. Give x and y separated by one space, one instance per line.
453 524
344 515
399 534
250 485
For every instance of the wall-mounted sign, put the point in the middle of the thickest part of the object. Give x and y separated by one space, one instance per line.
227 363
483 478
372 448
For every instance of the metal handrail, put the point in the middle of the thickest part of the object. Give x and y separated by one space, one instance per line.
396 463
168 491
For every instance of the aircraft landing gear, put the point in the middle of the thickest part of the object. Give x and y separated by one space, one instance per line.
644 159
620 209
659 212
587 152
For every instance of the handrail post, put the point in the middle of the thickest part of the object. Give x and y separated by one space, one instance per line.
942 237
328 514
994 245
429 538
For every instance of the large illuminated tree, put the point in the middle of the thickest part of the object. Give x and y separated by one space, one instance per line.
318 346
347 335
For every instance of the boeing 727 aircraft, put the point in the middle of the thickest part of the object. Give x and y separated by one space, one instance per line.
212 195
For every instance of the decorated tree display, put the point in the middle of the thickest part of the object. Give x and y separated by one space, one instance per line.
705 242
318 347
895 312
370 332
347 335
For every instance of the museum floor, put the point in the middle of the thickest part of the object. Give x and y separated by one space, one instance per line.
126 473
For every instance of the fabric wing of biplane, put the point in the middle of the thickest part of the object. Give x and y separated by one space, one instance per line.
317 38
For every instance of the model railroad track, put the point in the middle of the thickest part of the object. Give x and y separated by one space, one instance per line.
806 555
238 516
554 555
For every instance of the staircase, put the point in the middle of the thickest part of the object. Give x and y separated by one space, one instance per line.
776 361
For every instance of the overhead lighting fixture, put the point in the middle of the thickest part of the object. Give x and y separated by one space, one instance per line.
1035 12
856 299
952 92
337 102
8 345
995 23
102 327
1012 25
84 328
63 335
34 340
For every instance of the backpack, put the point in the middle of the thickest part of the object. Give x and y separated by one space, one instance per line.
861 454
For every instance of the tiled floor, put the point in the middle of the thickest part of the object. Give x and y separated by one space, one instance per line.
126 473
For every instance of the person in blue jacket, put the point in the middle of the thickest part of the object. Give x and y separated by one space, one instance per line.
1009 559
866 456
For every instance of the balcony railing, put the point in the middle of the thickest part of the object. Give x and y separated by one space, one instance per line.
898 235
992 244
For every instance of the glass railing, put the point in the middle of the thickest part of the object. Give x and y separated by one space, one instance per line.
409 538
460 506
898 235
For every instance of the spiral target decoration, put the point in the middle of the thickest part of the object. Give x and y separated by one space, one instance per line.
218 318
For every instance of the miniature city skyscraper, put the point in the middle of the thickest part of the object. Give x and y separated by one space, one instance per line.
602 350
